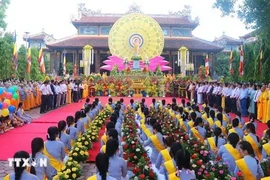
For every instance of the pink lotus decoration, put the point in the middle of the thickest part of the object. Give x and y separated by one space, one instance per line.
152 66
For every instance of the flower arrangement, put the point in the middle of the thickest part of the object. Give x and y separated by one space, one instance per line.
92 133
71 170
85 141
263 141
265 164
217 169
133 150
143 171
79 153
198 166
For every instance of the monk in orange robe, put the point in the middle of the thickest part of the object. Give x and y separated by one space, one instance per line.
262 104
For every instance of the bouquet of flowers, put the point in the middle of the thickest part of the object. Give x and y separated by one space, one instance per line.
79 153
71 170
217 169
143 171
85 141
92 133
198 166
265 164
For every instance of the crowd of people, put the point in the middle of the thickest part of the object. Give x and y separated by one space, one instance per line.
238 147
246 98
48 95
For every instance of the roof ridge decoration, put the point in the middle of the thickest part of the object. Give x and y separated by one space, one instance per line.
228 37
134 8
83 11
186 13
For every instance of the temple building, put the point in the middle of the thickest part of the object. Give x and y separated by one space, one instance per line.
93 29
229 43
38 40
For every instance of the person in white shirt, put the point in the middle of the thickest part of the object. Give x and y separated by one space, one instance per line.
200 94
233 99
256 98
44 97
75 92
81 90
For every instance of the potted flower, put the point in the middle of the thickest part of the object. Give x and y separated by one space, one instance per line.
85 141
79 153
71 170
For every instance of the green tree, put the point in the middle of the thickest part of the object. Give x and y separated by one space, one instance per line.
221 65
6 53
254 13
22 62
47 63
35 73
69 68
3 7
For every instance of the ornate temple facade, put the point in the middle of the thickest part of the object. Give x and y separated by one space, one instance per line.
93 29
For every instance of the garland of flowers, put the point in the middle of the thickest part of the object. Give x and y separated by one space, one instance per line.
79 152
134 152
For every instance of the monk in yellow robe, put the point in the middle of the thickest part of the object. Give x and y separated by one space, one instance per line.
268 105
262 104
69 89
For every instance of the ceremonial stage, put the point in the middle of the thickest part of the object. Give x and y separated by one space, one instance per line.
20 138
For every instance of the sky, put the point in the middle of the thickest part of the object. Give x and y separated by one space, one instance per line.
54 16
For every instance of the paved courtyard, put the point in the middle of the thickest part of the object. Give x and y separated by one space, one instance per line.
88 169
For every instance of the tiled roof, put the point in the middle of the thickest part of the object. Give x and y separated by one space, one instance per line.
162 20
249 35
39 36
228 40
78 41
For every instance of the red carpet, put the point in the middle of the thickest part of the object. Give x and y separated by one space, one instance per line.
59 114
96 146
20 138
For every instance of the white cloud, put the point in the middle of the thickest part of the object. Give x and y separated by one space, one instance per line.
54 15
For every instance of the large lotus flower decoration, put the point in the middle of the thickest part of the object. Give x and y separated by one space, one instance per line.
152 64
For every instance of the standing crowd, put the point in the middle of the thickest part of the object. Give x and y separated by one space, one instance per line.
248 99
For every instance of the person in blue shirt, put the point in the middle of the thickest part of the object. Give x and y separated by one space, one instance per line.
175 147
243 100
37 146
149 124
229 152
72 131
252 119
218 140
264 152
102 164
184 166
254 168
158 132
132 105
63 136
117 165
20 172
241 120
236 129
268 127
79 124
160 159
